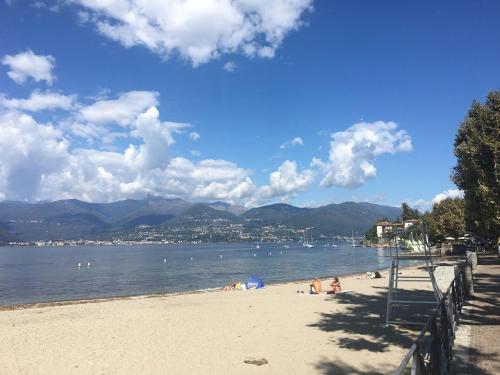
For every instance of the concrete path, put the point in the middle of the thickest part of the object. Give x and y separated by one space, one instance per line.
478 337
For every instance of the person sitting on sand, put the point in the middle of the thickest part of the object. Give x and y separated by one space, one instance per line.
315 286
335 286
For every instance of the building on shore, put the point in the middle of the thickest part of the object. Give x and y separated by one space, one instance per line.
386 228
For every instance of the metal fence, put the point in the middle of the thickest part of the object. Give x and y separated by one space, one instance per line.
431 353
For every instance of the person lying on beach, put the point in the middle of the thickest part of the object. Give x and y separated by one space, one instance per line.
371 275
237 285
336 288
230 287
315 286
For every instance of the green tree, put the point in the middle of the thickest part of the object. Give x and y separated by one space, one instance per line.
409 213
371 234
477 173
446 219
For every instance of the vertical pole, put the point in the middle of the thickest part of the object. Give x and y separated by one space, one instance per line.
389 296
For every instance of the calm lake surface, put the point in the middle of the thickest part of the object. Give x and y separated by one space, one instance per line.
43 274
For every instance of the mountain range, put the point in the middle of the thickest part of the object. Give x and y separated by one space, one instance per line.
75 219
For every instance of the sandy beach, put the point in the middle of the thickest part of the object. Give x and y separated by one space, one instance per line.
210 333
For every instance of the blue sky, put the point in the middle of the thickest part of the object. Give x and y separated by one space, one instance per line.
405 72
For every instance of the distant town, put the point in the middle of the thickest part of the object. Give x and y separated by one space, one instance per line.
203 231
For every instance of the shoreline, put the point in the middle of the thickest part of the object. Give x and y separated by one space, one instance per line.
37 305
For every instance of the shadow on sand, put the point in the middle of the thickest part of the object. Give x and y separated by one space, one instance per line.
362 325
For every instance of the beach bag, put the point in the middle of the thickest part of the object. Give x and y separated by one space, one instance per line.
254 282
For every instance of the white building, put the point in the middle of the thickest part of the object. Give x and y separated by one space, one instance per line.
385 228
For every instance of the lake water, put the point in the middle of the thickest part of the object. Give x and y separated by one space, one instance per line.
43 274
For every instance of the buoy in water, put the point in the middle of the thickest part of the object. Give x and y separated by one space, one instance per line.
79 265
254 254
220 256
191 258
164 260
88 264
270 253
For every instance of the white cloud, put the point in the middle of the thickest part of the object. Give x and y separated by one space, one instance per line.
156 138
426 204
194 136
297 141
30 152
230 66
451 193
27 64
43 164
353 151
198 30
42 5
284 183
422 205
39 101
122 111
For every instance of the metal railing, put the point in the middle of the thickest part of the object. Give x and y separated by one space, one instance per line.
431 353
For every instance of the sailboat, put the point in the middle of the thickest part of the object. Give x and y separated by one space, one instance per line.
306 242
333 242
354 244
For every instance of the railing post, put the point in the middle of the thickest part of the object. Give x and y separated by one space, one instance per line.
468 280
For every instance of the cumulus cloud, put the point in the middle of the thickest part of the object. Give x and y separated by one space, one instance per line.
38 151
198 31
451 193
27 64
284 183
39 101
353 152
194 136
43 164
122 110
230 66
297 141
426 204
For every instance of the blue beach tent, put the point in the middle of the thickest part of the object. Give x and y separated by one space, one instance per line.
254 282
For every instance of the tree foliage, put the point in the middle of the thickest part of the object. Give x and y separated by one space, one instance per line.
446 219
477 173
409 213
371 234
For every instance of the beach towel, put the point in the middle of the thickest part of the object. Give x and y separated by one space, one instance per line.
324 294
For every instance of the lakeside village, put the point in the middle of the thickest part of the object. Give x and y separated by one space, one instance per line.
221 230
209 231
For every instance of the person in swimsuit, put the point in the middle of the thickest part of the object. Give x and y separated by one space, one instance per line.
336 288
315 286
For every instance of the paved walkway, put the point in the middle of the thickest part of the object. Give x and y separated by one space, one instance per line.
478 338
